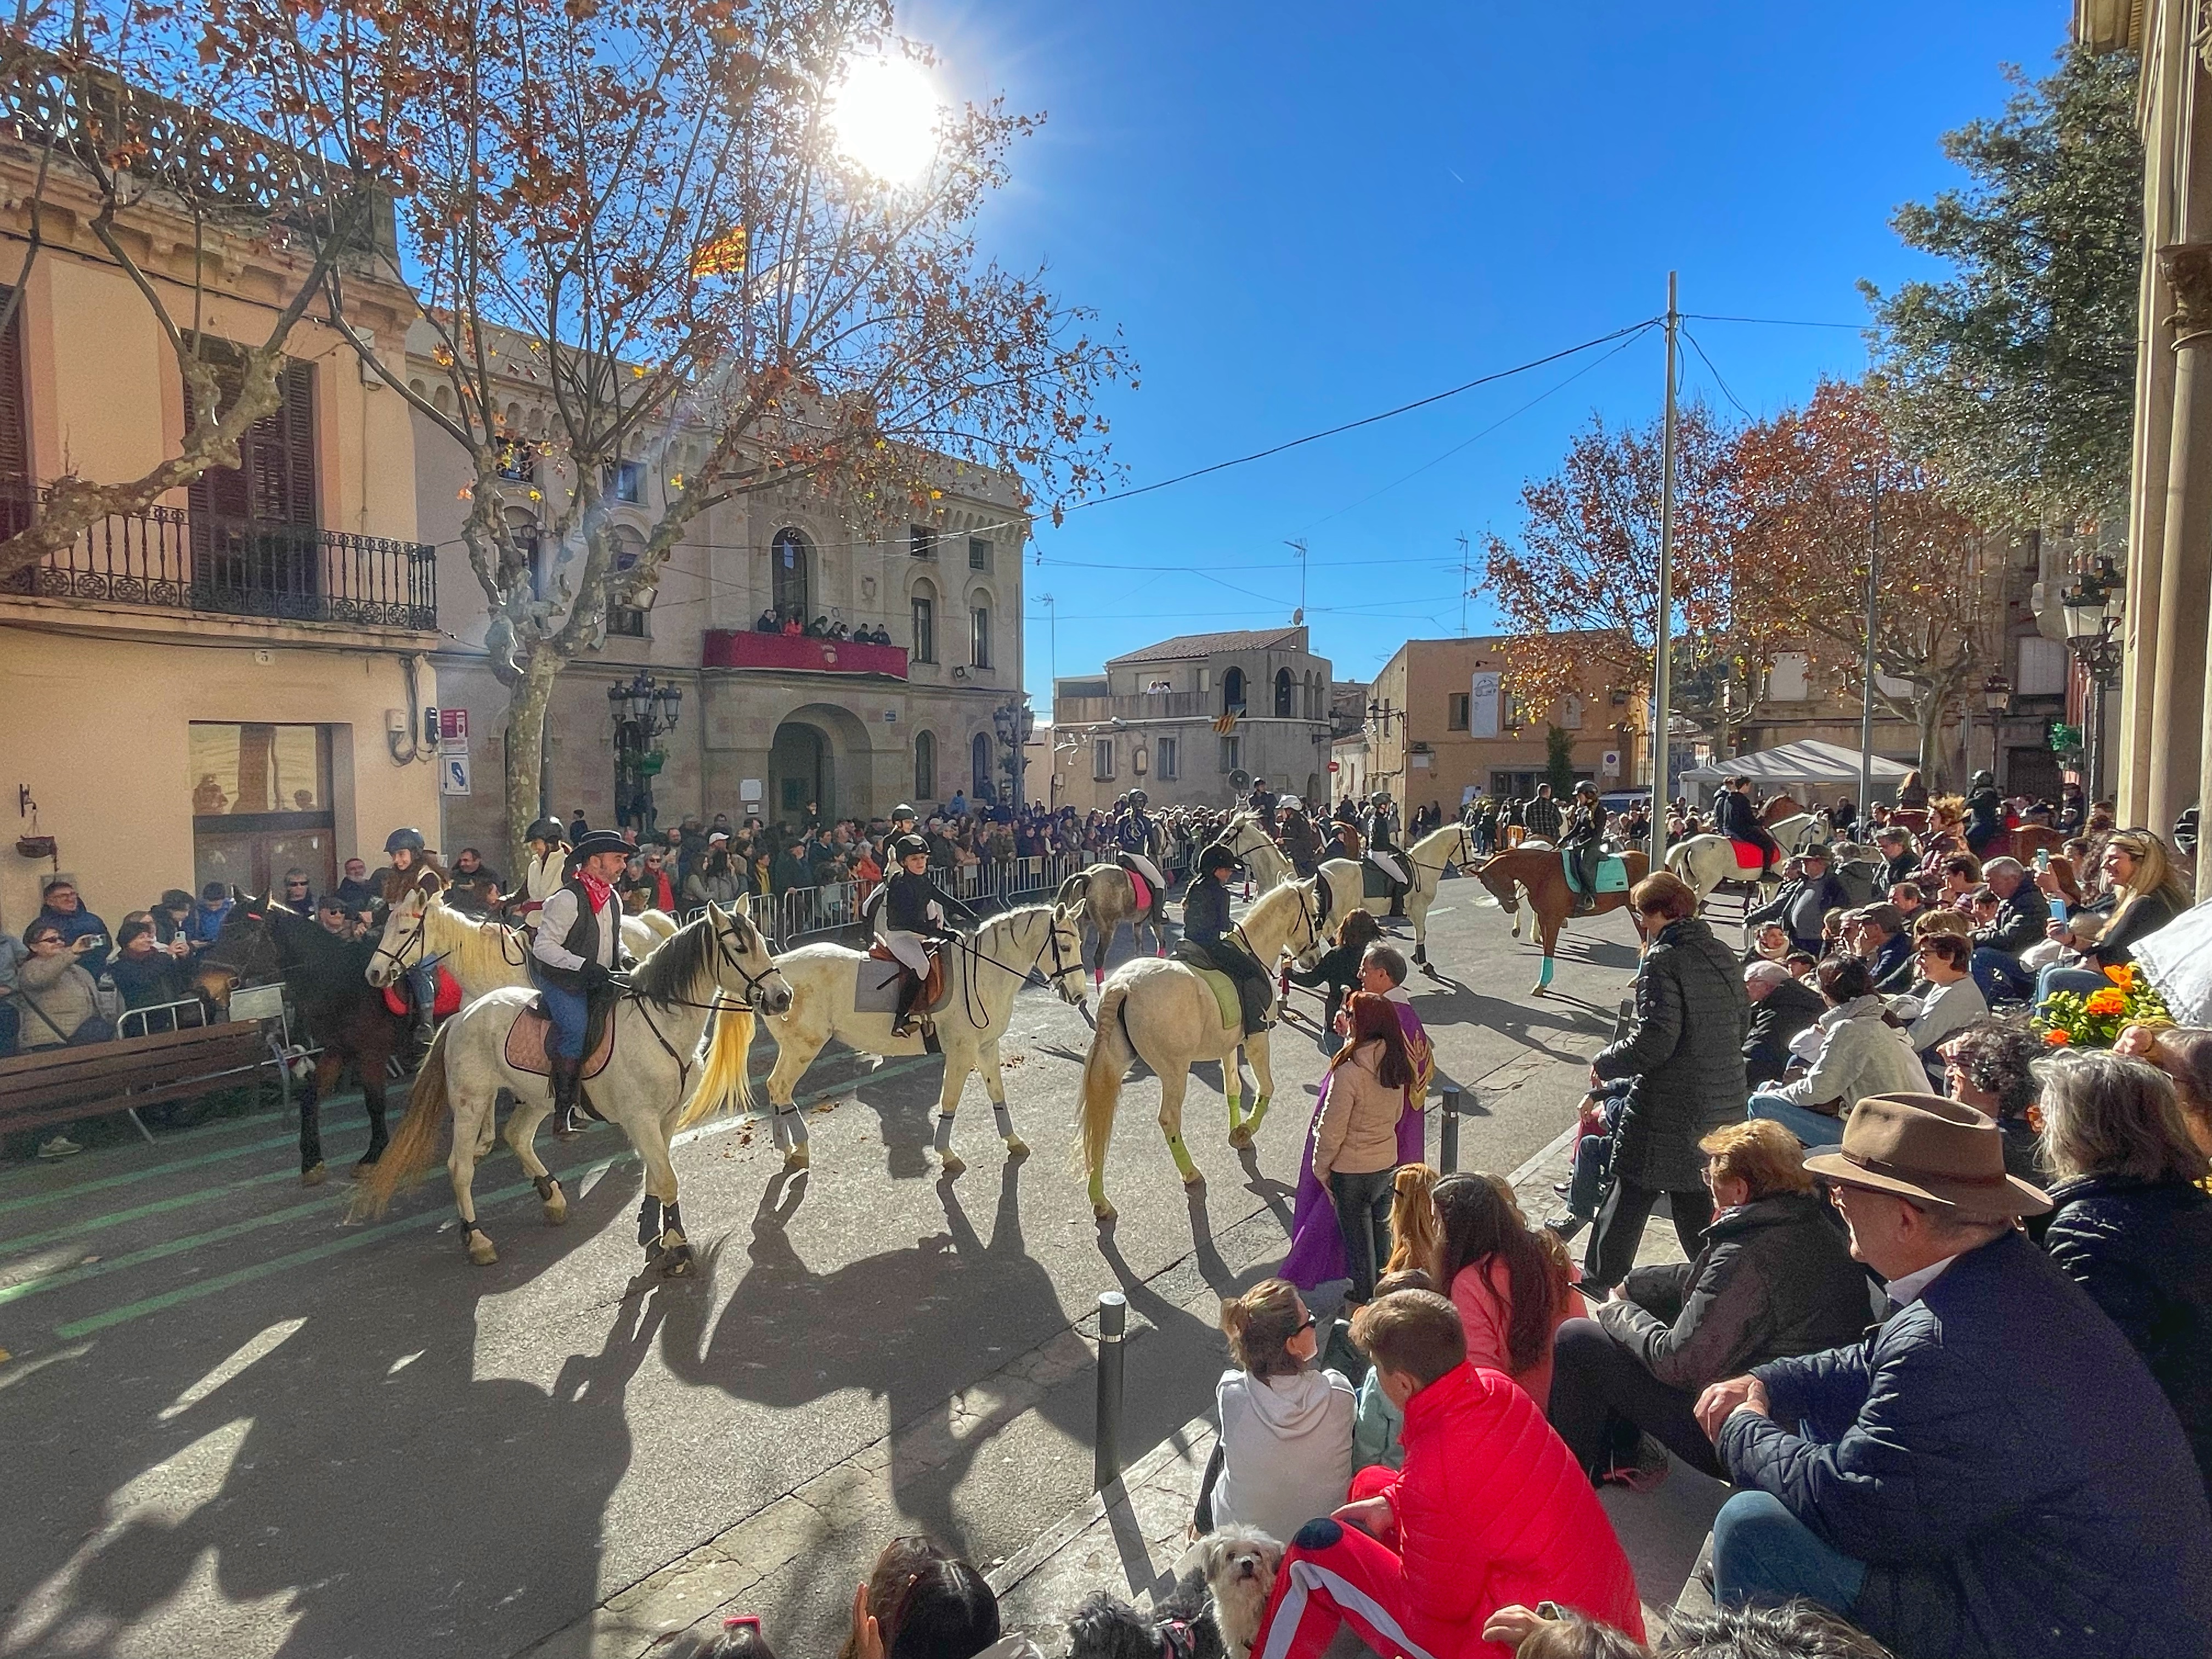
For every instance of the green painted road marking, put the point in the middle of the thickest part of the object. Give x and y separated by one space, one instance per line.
353 1241
291 1138
119 1218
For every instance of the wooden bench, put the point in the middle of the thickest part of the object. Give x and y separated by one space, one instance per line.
59 1085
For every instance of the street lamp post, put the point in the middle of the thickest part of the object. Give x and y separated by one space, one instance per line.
1016 723
1996 697
640 711
2093 607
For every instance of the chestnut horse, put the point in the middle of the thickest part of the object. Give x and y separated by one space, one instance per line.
1539 871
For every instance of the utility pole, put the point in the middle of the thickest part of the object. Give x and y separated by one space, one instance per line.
1298 547
1052 625
1462 584
1866 668
1663 634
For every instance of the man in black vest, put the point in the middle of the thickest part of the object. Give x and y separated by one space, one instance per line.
575 956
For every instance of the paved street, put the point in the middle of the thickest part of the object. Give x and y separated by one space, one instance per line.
234 1424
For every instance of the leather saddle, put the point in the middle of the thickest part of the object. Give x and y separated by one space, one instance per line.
932 989
528 1037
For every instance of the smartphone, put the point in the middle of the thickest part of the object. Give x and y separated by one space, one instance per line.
2043 858
93 941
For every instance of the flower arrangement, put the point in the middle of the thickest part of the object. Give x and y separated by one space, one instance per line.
2094 1019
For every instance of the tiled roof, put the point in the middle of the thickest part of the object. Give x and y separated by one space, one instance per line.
1184 646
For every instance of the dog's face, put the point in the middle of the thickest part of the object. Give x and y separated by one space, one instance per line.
1240 1563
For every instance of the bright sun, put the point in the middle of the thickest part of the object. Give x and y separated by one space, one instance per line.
885 113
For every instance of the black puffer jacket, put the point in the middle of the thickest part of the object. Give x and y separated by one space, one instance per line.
1781 1014
1773 1279
2144 1251
1685 1054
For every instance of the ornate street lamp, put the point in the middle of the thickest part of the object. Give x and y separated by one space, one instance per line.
642 712
1996 697
2093 608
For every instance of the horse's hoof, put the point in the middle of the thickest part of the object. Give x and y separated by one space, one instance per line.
951 1163
368 1161
1017 1148
1536 990
556 1210
675 1260
1240 1137
796 1158
1194 1181
1104 1211
480 1250
314 1175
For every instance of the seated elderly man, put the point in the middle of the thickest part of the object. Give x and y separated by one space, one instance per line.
2022 914
1782 1006
1994 1472
1880 936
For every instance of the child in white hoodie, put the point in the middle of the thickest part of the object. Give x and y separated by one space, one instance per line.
1285 1430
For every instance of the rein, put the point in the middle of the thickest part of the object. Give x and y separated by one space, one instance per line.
969 994
1306 915
398 955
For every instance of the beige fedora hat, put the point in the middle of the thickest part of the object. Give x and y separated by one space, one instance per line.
1933 1151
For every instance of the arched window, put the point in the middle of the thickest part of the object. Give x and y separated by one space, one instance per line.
925 765
925 623
788 557
979 766
1283 694
1232 691
980 654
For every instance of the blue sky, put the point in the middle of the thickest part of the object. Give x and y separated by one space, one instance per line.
1299 215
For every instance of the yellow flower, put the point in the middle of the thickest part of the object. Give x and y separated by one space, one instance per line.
2104 1002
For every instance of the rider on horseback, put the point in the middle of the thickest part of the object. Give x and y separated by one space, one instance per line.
1735 817
1138 837
1261 801
906 913
1383 850
411 870
1205 935
1579 844
1296 836
1344 836
541 876
574 958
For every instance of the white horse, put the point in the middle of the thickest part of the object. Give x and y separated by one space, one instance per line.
1162 1013
1248 838
481 954
668 1071
981 975
1709 863
1426 860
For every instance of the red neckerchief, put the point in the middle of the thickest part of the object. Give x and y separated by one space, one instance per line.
598 891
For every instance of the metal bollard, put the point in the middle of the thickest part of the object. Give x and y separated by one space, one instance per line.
1106 1452
1448 1132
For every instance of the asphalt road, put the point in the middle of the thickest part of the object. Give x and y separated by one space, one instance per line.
232 1423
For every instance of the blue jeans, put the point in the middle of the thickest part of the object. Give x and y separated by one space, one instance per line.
2058 978
1586 1182
1762 1553
1998 974
570 1010
1813 1128
422 981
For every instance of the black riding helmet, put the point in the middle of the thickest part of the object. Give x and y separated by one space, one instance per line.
906 847
1214 857
551 831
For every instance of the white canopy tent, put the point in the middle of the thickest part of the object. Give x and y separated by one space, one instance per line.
1808 769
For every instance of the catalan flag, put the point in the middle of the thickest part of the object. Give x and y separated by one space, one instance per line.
725 256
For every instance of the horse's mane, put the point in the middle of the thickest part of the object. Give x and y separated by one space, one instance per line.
681 969
478 944
325 966
1284 897
1007 919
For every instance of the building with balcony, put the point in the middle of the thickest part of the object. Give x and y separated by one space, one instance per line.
769 723
233 682
1153 721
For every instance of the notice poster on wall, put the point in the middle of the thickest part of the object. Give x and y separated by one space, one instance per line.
1482 705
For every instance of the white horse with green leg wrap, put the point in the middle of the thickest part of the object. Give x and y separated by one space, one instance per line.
1165 1013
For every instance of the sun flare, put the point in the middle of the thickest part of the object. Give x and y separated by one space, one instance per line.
884 114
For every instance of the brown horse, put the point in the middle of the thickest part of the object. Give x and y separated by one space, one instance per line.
1539 871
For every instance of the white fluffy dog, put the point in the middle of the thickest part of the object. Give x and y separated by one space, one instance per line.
1213 1614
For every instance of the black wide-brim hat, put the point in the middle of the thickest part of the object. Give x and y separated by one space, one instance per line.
598 840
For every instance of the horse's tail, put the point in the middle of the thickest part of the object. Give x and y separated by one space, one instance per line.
662 925
415 1145
1102 1068
722 1080
1074 890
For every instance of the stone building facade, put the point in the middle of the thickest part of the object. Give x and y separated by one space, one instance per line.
1149 721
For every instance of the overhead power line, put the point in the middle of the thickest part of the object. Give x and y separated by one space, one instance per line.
1773 322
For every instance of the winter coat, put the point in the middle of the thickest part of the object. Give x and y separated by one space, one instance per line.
541 876
54 997
2144 1252
1356 1130
143 981
2129 926
81 923
1799 906
1861 1054
1685 1054
725 889
1891 964
1286 1450
1790 1008
2019 921
2004 1464
1946 1011
1773 1277
1492 1510
1483 1293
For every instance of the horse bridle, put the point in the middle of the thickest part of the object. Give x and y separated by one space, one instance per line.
1466 854
730 960
421 922
1059 965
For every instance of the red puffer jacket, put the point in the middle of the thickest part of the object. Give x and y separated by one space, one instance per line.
1493 1510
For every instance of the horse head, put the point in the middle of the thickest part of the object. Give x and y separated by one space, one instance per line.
1064 944
401 945
741 951
245 946
1496 874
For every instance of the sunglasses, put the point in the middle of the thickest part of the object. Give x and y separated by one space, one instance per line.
1308 1323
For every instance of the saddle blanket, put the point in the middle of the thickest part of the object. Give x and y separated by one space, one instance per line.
1223 986
527 1038
447 1000
1750 857
1612 874
876 983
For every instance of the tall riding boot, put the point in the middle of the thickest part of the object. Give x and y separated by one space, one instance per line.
565 1073
910 988
1398 900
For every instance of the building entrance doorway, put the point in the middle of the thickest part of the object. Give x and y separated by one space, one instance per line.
801 774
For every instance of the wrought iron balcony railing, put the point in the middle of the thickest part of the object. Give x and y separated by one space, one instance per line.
173 560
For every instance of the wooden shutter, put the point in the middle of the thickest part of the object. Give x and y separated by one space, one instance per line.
274 483
15 425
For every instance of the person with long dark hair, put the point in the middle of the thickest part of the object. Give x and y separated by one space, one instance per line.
1512 1287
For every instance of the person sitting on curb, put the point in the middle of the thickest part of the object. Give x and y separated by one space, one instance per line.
1774 1278
1861 1054
1487 1511
2060 1516
1804 901
1285 1452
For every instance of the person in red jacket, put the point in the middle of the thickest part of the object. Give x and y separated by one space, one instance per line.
1490 1509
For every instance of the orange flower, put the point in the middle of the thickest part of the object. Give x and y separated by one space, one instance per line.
2123 975
2106 1002
2055 1038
